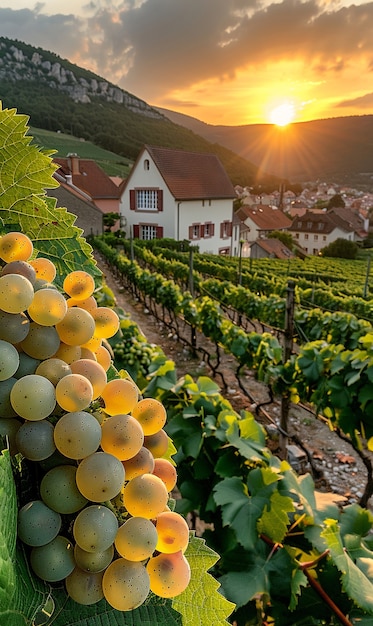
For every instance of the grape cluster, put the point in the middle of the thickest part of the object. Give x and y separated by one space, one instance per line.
101 521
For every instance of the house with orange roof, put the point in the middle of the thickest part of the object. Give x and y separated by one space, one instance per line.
179 195
258 221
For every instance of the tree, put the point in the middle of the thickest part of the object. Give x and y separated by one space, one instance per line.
336 202
286 238
341 248
110 219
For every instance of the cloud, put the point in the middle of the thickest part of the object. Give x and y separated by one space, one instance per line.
363 102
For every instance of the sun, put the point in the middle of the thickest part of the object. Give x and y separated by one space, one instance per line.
282 114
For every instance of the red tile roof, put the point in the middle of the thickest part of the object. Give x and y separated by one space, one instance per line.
274 247
264 217
89 177
192 175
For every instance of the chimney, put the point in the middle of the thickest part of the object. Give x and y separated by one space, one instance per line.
73 161
69 179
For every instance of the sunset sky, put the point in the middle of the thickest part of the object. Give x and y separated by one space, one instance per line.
225 62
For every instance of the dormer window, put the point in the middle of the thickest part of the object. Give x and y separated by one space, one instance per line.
146 165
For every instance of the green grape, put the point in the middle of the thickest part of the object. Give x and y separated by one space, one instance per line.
59 491
48 307
37 523
15 246
106 322
136 539
151 414
93 371
20 267
9 360
93 561
100 477
53 561
173 532
84 587
145 496
35 440
6 409
8 429
33 397
53 369
95 528
157 444
44 269
169 574
16 293
120 396
77 327
41 342
77 434
141 463
125 584
122 436
74 392
79 285
27 365
54 460
14 327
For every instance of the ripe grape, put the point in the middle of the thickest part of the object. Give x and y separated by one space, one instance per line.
84 587
93 561
151 414
125 584
48 307
136 539
122 436
9 360
20 267
74 392
157 444
141 463
44 269
145 496
15 246
169 574
77 434
16 293
103 357
37 523
79 285
93 371
59 491
35 440
27 365
14 327
173 532
67 353
33 397
89 304
41 342
53 369
166 472
100 477
120 396
95 528
106 322
77 327
53 561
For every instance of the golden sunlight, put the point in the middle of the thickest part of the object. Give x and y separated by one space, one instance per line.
282 114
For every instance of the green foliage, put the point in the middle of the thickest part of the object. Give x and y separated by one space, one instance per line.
286 238
336 201
341 248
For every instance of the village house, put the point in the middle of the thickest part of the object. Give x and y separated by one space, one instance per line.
179 195
258 221
270 248
315 230
88 216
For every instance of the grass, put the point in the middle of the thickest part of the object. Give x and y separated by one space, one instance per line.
112 164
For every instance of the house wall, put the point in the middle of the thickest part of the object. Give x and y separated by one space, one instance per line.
205 216
314 242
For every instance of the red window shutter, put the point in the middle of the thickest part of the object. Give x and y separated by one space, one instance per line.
212 230
160 199
132 200
159 232
136 231
230 229
221 230
190 232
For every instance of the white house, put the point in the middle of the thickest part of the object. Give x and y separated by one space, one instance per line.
313 231
179 195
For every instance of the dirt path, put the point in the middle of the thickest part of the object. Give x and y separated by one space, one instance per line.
335 465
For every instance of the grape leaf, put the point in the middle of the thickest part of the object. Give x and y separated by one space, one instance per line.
274 521
25 173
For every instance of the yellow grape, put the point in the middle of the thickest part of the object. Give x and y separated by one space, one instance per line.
89 304
74 392
125 584
173 532
141 463
100 477
145 496
48 307
169 574
93 371
77 435
166 472
106 322
87 354
93 561
16 293
95 528
136 539
79 285
77 327
103 357
33 397
157 444
122 436
59 490
151 414
53 369
53 561
84 587
15 246
68 353
9 360
120 396
93 344
45 269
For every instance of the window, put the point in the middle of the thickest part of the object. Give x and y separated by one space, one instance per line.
324 237
147 231
321 226
208 229
315 251
146 200
195 231
296 235
315 237
309 225
306 236
225 229
146 165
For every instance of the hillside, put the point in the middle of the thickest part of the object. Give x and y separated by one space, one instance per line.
61 97
336 150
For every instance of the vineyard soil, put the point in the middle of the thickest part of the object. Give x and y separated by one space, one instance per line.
334 464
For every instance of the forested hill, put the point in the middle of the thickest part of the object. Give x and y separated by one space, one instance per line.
60 96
